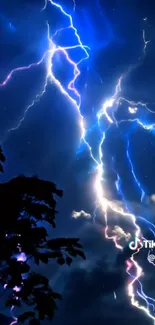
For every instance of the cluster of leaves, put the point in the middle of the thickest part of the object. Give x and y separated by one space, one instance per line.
25 201
36 292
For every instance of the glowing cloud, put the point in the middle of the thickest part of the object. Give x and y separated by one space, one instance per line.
121 234
81 214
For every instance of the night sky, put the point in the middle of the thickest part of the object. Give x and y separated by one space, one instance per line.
47 142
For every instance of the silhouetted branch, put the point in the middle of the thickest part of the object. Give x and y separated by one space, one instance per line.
24 203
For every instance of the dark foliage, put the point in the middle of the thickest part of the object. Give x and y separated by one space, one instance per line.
2 160
25 201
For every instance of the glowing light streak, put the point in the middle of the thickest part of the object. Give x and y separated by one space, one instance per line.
142 295
15 319
74 5
133 173
145 42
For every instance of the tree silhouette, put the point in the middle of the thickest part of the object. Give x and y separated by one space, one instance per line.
27 205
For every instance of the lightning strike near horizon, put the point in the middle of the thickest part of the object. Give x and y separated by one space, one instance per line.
107 111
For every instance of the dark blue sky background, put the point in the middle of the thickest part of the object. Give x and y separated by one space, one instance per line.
47 142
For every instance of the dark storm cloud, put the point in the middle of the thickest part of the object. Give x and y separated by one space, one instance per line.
88 288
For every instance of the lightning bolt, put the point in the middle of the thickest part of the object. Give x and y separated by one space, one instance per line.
133 173
145 42
106 205
74 5
107 111
15 319
48 57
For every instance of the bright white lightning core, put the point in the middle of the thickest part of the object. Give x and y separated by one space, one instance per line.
133 110
107 110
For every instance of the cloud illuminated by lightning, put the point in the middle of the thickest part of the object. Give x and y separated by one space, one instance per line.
81 214
121 234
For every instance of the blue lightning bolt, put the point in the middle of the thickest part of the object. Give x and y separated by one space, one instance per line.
133 172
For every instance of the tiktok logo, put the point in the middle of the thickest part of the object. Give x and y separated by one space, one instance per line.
133 245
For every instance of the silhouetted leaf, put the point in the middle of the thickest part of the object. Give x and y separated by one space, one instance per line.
71 252
61 261
1 168
53 223
13 302
56 295
34 322
78 245
43 258
2 157
23 317
80 253
36 260
54 254
59 193
69 260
